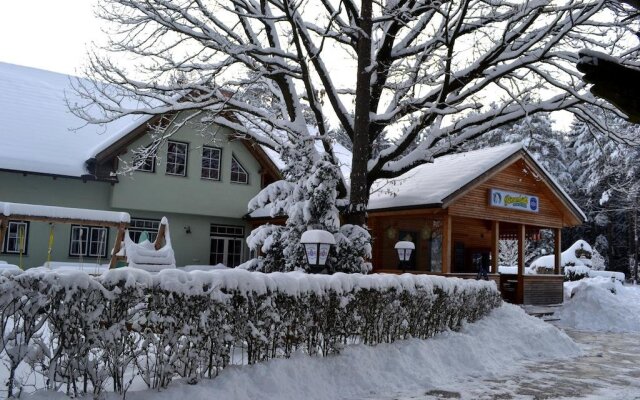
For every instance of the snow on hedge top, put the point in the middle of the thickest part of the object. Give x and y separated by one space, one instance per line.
219 282
33 210
431 183
38 132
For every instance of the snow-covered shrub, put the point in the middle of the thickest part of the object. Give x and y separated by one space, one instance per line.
598 262
80 332
353 248
575 273
307 197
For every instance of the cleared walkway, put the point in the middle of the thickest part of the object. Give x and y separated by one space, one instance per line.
609 370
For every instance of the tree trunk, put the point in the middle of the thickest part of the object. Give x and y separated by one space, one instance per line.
635 245
359 195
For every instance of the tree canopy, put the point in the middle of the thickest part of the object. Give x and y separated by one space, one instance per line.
404 80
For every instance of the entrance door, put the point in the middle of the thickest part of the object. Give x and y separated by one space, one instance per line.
226 245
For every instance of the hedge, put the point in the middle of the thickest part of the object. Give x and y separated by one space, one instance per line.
90 334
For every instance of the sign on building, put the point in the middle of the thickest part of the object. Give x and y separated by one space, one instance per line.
514 201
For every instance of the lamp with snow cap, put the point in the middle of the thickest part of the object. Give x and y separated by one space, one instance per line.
317 243
404 249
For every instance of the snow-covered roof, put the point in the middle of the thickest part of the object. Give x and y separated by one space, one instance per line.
432 183
38 133
33 210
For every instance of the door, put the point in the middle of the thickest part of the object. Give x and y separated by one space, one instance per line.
226 250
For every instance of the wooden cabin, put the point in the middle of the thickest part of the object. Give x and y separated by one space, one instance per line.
456 209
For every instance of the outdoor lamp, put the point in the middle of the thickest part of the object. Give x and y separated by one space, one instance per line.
404 249
317 244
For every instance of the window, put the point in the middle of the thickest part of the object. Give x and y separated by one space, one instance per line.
16 238
210 163
238 173
88 241
226 245
177 158
139 225
145 159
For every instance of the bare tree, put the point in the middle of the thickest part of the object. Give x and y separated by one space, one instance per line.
405 80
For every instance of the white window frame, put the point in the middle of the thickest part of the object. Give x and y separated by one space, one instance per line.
86 240
139 225
210 169
228 234
241 171
81 240
16 236
175 155
101 242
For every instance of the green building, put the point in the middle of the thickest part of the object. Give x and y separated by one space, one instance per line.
201 178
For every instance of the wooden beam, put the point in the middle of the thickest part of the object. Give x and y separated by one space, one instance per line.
4 223
57 220
521 243
557 250
160 241
495 246
117 246
447 237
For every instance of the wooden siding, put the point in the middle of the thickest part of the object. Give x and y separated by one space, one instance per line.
517 177
543 289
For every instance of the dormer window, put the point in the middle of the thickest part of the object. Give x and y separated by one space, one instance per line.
238 173
177 158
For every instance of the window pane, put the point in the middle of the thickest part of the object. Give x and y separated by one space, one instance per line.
210 163
238 173
16 237
79 241
176 158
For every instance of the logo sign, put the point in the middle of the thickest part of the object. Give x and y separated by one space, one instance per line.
514 201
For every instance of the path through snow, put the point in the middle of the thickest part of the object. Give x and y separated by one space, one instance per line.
608 370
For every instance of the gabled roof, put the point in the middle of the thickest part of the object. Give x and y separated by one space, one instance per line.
38 134
430 184
439 183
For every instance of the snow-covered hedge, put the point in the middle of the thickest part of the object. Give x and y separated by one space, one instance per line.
83 333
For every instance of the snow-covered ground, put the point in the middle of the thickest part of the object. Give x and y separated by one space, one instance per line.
594 306
486 349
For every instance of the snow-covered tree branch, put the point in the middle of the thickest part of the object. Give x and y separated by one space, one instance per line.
412 79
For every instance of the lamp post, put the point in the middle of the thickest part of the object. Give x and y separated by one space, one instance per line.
317 244
404 249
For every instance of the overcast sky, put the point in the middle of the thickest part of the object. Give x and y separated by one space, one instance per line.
55 34
47 34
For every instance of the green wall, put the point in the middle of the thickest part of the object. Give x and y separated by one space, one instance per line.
45 190
185 201
157 191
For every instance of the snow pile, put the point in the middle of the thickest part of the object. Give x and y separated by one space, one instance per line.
198 267
33 210
579 254
619 276
190 325
5 266
600 304
145 256
88 267
488 348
